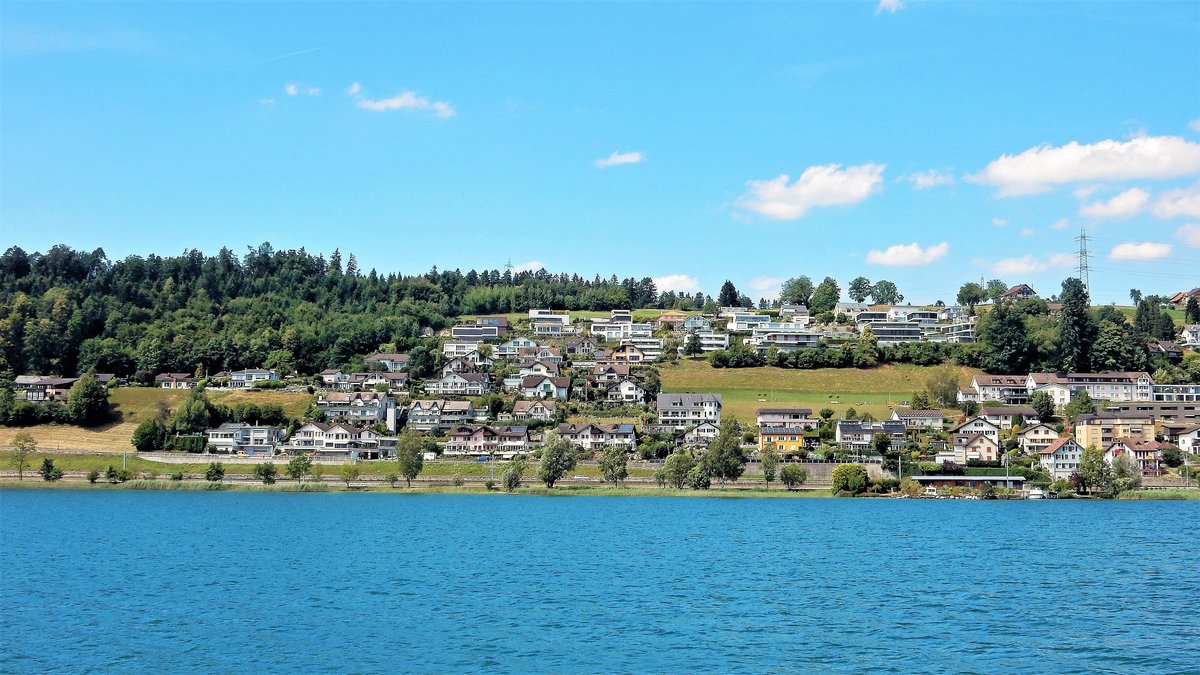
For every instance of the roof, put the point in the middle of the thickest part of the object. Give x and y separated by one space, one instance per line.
1019 289
174 376
1053 447
576 429
977 418
1023 410
782 431
1082 378
922 414
785 411
386 357
525 406
1138 444
688 399
985 380
534 380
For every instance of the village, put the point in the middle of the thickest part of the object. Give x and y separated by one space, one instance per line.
499 384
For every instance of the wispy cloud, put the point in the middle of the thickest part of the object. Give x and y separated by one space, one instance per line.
923 180
680 283
822 185
908 255
530 266
1029 264
405 100
1123 205
1060 224
1145 250
889 6
20 39
619 158
766 287
1000 222
1189 234
291 89
1028 232
286 56
1194 125
1179 202
1045 167
266 101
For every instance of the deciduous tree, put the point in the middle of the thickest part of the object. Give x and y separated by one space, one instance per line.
859 289
770 463
558 457
794 475
23 445
410 455
614 462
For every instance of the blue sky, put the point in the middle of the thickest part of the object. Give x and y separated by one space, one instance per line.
929 143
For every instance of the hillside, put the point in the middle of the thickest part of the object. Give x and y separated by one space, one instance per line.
132 405
747 389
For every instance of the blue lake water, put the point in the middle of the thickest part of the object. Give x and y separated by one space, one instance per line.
243 582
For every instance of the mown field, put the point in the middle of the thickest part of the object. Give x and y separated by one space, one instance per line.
745 390
132 405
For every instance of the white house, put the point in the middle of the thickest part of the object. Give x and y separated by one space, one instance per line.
1004 417
686 410
511 349
1061 458
1033 439
1190 336
362 407
625 391
438 414
339 440
460 384
545 386
334 378
599 436
1119 386
541 410
391 362
233 437
920 419
978 425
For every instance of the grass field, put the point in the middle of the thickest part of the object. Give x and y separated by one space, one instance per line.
132 405
640 315
745 390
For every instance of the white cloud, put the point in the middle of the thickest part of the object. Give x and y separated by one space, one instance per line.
1082 193
354 89
1028 232
889 6
1123 205
1146 250
822 185
923 180
1179 202
619 158
1194 125
1189 234
1060 224
313 91
291 89
908 254
1028 264
531 266
266 101
766 287
1045 167
999 222
680 283
405 100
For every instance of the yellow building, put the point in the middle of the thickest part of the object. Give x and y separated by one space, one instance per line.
1102 429
782 440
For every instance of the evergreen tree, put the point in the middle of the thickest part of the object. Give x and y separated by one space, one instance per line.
1043 403
728 297
1077 328
1191 311
1007 347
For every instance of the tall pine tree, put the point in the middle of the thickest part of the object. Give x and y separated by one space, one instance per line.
1077 328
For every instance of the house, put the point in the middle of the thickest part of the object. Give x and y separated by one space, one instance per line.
1186 437
1187 393
977 425
919 419
234 437
339 440
698 322
334 378
1189 336
511 349
896 332
547 322
625 391
1033 438
627 353
175 381
439 414
1117 386
1168 350
599 436
460 384
547 354
859 435
1179 300
1019 292
393 363
454 348
798 418
538 368
794 311
786 440
1147 455
545 386
581 346
1061 458
395 382
467 332
702 434
672 319
541 410
482 439
912 314
783 341
50 389
1005 417
359 407
710 341
687 410
743 320
1008 389
851 309
459 364
614 372
974 446
244 379
1101 429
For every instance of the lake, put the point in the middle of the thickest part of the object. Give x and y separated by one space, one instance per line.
241 582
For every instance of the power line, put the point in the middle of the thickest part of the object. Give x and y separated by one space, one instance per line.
1083 255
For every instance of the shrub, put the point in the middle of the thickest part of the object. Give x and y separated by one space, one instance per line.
215 472
93 476
793 476
457 481
49 472
851 478
177 476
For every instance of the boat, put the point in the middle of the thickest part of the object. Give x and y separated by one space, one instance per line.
1037 493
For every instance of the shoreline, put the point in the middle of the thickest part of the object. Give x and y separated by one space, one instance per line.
158 485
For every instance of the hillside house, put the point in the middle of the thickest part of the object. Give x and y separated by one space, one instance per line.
540 410
360 408
599 436
393 363
244 379
484 440
235 437
439 414
919 419
626 391
1033 438
687 410
340 440
1061 458
1147 455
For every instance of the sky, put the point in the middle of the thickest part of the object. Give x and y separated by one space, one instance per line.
928 143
